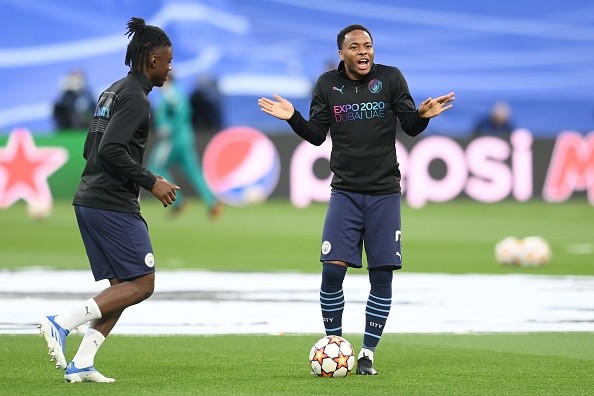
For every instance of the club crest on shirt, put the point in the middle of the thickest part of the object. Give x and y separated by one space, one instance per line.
374 86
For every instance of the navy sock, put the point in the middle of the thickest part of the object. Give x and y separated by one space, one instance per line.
332 298
378 306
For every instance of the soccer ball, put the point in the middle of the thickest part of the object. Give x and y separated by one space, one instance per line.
534 252
39 210
332 356
507 251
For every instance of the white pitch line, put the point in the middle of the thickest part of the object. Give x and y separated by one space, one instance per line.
200 302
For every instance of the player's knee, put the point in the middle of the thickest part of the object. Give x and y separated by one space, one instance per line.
145 286
381 278
333 273
148 290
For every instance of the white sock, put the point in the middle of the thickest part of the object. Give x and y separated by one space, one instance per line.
365 352
82 314
85 356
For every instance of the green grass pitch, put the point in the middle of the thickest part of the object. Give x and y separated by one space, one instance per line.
487 364
456 237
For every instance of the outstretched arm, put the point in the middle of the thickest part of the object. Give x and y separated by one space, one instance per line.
280 108
432 107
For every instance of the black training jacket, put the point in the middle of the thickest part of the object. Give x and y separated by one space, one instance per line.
361 117
114 148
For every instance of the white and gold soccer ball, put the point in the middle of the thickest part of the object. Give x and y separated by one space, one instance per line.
507 251
39 210
332 356
534 252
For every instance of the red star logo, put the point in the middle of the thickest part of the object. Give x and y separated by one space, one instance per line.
25 168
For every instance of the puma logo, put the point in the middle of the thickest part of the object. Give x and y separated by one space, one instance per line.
338 89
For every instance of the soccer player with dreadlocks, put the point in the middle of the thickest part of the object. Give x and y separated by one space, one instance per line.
107 207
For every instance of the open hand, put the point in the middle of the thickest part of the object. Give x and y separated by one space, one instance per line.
280 108
432 107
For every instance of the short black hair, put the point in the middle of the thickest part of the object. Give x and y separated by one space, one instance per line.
145 38
348 29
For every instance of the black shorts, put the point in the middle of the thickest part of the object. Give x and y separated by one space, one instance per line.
356 220
117 243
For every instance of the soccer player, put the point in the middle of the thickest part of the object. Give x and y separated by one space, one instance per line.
359 104
107 207
176 146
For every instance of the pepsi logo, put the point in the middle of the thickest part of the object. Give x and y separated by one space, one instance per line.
241 166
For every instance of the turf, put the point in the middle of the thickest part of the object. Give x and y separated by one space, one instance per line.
453 237
487 364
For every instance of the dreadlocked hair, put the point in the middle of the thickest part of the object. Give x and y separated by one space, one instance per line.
145 39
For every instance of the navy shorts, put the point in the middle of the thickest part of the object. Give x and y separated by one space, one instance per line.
117 243
355 221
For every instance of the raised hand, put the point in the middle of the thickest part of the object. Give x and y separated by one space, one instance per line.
432 107
280 108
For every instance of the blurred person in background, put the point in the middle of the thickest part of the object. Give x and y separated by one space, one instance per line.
107 207
176 146
359 104
205 101
76 104
496 123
